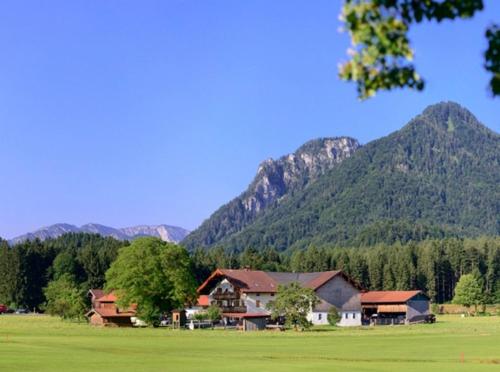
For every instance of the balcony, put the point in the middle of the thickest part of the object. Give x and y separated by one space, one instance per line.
226 296
234 309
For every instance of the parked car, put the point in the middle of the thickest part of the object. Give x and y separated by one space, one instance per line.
22 311
3 309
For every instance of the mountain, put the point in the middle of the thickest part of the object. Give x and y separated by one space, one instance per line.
167 233
275 181
437 176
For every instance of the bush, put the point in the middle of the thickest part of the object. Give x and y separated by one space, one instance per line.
435 308
333 316
214 313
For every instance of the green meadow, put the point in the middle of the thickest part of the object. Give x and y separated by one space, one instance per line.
43 343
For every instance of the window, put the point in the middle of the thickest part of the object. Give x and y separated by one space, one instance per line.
354 315
257 294
272 294
347 315
320 316
257 303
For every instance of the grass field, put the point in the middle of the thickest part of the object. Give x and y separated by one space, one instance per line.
42 343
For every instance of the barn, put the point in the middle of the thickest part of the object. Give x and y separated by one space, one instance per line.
394 307
105 311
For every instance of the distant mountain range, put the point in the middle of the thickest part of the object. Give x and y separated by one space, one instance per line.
166 233
437 176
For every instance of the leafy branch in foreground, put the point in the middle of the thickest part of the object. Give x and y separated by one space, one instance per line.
381 55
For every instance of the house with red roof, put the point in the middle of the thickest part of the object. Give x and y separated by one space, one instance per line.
243 295
395 307
105 311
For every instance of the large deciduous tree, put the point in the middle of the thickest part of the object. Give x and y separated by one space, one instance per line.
293 302
155 275
381 55
65 298
468 291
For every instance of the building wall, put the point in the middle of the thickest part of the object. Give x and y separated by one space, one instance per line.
251 299
223 285
350 319
417 307
253 324
340 293
96 319
318 317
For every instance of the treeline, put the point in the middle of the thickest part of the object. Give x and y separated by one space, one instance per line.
77 262
434 266
27 268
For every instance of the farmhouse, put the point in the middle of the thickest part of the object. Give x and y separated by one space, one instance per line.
394 307
243 295
105 311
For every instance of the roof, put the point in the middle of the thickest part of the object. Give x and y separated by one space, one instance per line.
111 313
252 281
323 306
247 280
385 297
96 293
110 297
203 300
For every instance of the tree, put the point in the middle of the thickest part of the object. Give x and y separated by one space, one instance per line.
333 316
65 298
381 55
468 291
155 275
214 312
294 303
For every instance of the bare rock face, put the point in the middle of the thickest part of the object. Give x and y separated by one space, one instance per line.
275 179
294 171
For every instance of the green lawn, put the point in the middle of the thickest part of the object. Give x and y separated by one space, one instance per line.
42 343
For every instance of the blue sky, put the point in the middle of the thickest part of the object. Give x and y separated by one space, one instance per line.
126 112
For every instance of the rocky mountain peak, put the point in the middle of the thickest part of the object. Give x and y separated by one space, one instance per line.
275 178
274 182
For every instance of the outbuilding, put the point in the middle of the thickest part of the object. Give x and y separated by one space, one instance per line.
105 311
394 307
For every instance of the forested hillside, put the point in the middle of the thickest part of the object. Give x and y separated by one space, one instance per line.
437 177
26 268
83 259
433 266
275 182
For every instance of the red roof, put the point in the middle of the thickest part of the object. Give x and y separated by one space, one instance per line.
321 279
384 297
110 297
255 281
97 293
111 313
203 300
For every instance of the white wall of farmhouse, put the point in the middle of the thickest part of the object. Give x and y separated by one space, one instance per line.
350 319
318 317
256 302
224 285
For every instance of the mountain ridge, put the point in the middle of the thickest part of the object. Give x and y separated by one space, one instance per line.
436 176
275 180
167 233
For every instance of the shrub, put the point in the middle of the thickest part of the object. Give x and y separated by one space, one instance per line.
333 316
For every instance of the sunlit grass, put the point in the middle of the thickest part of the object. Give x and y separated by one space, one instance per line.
41 343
